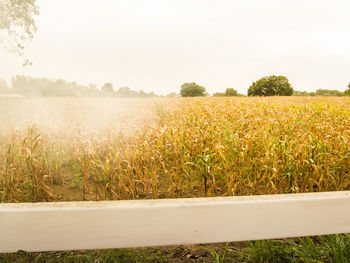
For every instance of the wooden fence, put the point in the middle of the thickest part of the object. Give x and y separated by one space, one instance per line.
137 223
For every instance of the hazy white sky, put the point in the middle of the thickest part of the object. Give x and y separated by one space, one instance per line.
156 45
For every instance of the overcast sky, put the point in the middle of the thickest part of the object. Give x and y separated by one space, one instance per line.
156 45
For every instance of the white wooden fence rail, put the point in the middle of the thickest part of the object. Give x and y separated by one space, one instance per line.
120 224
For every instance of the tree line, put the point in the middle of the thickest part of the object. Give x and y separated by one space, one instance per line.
323 92
44 87
267 86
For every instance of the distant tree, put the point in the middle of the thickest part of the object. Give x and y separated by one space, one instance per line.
44 87
17 24
149 94
328 92
107 88
192 90
126 92
144 94
271 86
92 91
172 95
219 94
303 93
231 92
320 92
228 93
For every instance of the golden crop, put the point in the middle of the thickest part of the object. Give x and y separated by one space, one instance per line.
171 148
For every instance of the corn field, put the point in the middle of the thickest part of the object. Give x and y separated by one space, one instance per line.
113 149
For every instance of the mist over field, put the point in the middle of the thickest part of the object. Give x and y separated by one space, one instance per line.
85 116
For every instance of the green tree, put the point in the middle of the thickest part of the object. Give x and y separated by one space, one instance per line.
231 92
192 89
17 24
271 86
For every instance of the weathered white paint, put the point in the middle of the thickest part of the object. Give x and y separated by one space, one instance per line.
117 224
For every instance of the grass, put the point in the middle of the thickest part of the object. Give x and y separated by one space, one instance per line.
325 249
107 149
